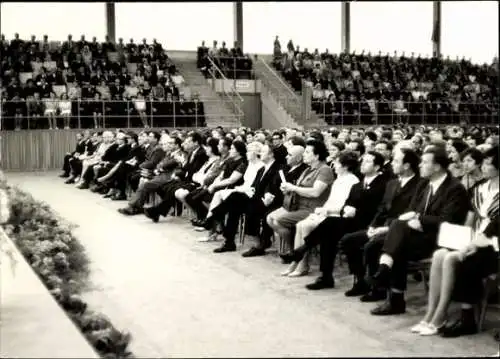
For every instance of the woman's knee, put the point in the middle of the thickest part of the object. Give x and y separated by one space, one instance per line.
181 194
451 259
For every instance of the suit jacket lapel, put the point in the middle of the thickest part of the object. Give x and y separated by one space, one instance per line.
439 193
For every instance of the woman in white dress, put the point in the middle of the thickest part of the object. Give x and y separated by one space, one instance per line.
51 104
65 109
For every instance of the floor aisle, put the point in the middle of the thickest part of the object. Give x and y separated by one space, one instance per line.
180 300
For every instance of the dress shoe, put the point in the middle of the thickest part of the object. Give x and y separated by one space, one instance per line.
254 252
226 247
129 211
395 305
321 283
152 213
83 185
431 329
290 257
359 288
299 272
64 175
417 328
197 222
70 180
374 296
110 194
291 268
464 326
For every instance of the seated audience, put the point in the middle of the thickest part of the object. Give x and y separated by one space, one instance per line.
356 212
363 247
310 190
413 236
458 274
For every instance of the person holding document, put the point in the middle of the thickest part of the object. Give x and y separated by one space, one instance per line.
457 274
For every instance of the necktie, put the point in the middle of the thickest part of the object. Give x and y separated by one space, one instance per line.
428 199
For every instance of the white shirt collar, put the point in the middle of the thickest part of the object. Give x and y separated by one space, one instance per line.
405 180
368 180
437 182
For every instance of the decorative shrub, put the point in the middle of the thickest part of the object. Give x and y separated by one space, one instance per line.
46 241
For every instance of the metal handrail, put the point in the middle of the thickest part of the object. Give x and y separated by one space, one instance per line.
223 77
279 78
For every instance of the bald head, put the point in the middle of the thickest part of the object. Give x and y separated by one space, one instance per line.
294 157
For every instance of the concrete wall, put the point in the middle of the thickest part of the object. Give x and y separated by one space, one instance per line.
252 107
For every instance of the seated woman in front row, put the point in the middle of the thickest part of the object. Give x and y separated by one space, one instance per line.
458 275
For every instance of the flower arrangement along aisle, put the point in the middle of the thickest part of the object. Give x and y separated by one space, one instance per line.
48 245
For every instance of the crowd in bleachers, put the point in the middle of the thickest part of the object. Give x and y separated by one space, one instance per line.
232 63
91 84
357 87
379 196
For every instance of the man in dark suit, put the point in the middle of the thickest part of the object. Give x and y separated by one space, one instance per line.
359 210
162 173
263 197
154 154
385 147
363 247
279 148
79 149
413 236
89 146
183 179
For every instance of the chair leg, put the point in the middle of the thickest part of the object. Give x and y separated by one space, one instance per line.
483 304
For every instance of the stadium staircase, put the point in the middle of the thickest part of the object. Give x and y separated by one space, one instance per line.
219 110
283 93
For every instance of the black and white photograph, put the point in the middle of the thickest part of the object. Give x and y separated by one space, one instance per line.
249 179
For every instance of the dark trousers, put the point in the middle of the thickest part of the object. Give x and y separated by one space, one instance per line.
232 207
327 235
197 200
133 179
76 167
168 194
119 178
405 244
66 163
88 176
142 195
362 253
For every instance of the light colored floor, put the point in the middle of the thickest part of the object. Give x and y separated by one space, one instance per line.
181 300
32 325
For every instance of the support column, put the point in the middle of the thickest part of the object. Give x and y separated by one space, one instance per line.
436 28
238 23
345 31
110 21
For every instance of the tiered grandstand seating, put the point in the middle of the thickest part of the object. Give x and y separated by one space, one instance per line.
109 85
364 88
232 63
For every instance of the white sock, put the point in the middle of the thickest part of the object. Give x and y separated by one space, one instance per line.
386 259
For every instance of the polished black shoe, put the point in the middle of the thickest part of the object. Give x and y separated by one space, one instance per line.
70 180
196 222
464 326
226 247
254 252
64 175
374 296
129 211
359 288
95 188
83 185
394 305
321 283
152 213
208 223
382 278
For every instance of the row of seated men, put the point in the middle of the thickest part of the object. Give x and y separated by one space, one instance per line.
53 113
379 196
232 63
